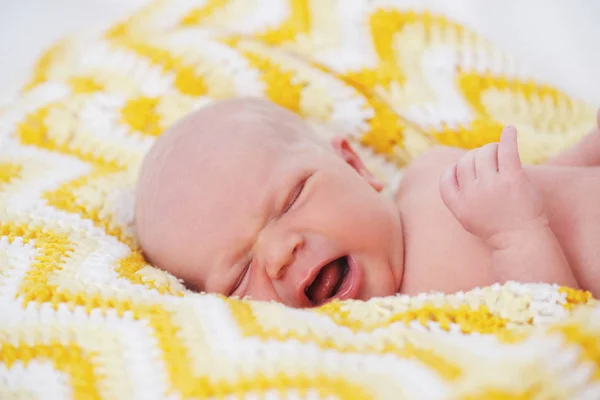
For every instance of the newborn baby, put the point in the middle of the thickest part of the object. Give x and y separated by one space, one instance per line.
241 198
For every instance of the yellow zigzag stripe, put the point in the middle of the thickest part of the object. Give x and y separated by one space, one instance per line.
179 369
140 115
33 131
325 386
480 131
45 62
531 393
384 134
276 79
473 85
242 313
84 85
135 20
69 359
64 199
384 25
8 172
539 385
53 248
187 81
297 23
587 342
541 107
470 320
575 297
198 15
485 128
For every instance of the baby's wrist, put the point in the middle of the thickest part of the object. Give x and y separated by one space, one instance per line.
517 236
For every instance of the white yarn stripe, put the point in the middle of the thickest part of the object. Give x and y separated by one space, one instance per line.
50 384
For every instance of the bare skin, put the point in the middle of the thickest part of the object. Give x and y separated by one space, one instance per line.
239 199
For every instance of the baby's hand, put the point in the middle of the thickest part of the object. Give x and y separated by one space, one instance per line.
490 194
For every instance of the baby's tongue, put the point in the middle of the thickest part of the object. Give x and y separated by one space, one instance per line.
325 282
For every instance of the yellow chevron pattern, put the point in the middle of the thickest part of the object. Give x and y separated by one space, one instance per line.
82 315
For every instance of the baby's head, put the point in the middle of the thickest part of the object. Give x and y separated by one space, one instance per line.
240 198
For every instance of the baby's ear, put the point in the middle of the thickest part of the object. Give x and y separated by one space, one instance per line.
343 148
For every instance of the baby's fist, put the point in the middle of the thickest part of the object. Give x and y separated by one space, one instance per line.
489 193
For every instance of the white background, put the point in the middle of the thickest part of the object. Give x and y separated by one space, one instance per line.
559 39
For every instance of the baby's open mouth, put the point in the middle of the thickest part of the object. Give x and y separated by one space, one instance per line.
328 281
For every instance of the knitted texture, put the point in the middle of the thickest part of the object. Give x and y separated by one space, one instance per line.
83 316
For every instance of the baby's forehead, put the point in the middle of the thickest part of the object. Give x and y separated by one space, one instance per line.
236 141
270 135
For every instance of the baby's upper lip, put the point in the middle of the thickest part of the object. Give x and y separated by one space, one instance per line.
310 278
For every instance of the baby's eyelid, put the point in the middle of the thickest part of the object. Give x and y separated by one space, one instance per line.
295 194
241 277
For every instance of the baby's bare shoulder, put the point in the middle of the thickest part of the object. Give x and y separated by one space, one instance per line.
436 157
433 162
425 169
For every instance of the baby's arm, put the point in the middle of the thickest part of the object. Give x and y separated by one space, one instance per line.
586 153
491 196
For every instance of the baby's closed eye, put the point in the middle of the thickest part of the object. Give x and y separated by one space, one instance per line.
237 284
295 194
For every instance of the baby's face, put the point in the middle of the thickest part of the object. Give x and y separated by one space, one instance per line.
283 220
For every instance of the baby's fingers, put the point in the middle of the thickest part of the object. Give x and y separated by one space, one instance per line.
465 170
449 186
486 161
508 152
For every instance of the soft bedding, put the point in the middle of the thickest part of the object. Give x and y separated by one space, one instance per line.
83 316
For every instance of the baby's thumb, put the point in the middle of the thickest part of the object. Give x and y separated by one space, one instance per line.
508 151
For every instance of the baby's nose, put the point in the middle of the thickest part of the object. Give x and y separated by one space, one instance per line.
278 252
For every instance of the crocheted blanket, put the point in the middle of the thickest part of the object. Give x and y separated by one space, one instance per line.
83 316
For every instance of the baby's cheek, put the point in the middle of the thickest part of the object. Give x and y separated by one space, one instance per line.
260 290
